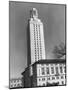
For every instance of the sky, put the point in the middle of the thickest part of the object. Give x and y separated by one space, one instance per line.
53 18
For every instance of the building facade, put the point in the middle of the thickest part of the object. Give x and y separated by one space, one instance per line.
16 83
51 73
45 73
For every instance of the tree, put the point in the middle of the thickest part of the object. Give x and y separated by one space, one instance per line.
60 50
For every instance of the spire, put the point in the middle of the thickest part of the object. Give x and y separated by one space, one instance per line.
34 13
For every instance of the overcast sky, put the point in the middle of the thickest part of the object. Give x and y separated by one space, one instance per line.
53 18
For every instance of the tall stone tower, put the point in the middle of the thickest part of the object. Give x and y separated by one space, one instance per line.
36 38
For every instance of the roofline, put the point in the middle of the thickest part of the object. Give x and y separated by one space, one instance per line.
47 61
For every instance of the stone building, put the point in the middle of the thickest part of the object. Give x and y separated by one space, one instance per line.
16 83
45 73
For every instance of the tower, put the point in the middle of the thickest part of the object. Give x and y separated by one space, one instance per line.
36 38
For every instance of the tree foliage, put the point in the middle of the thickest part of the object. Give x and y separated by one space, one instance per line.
60 50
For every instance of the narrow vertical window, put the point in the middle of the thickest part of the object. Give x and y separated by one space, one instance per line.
64 69
61 69
52 70
47 70
43 71
57 72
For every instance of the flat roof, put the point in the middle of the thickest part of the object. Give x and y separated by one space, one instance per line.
47 61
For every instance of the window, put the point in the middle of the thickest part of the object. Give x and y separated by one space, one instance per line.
57 77
43 79
14 81
15 85
57 70
18 80
39 27
43 71
62 77
18 85
36 25
39 79
47 70
53 78
38 57
65 69
43 84
52 70
62 82
35 51
11 85
65 76
48 78
61 69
